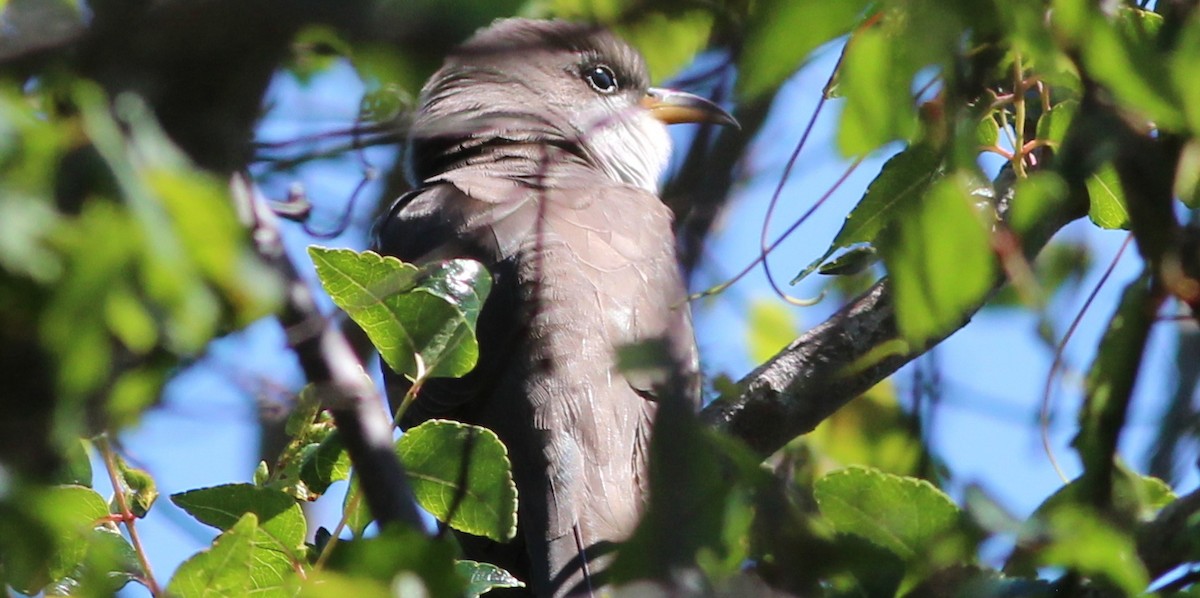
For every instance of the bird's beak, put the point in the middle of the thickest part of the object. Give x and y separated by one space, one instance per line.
671 107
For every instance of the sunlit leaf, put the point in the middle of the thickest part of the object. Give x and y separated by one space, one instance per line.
461 474
224 506
237 564
1108 200
409 313
484 577
907 516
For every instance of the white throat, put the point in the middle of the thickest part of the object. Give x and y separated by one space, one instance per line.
632 149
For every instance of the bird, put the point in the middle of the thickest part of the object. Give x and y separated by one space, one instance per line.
536 149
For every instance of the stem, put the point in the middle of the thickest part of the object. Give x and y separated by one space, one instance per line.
127 516
1018 160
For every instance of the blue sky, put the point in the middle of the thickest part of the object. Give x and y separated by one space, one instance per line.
993 370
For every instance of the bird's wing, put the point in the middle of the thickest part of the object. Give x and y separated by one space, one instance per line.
436 222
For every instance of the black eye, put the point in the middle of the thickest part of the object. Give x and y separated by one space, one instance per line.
601 78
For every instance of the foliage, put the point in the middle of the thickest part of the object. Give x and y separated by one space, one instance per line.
121 258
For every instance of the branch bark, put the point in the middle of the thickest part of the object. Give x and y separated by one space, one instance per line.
836 361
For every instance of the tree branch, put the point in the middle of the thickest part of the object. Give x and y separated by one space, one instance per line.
831 364
332 366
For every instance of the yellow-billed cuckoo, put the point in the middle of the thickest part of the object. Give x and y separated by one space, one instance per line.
536 150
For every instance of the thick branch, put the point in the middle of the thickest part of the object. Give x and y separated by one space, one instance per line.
331 365
823 369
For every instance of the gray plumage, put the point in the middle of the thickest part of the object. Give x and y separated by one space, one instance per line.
524 159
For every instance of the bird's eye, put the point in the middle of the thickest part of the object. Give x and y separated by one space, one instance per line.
601 78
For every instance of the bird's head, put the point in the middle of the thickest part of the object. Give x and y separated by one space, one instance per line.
559 84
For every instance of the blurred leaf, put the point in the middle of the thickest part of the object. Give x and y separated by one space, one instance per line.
461 473
907 516
780 34
1035 198
1109 387
1084 542
408 312
874 79
1123 55
668 41
987 132
224 506
398 553
1187 175
1057 266
327 584
1108 200
78 468
1053 124
1185 71
72 512
939 257
770 327
483 577
315 49
872 430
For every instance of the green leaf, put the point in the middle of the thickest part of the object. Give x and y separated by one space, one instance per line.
900 184
484 577
939 257
1124 57
239 563
72 512
782 33
907 516
771 326
461 474
855 260
1085 542
875 80
1053 124
408 311
141 492
668 41
327 584
327 463
1034 199
987 132
354 508
224 506
403 558
1108 200
1109 387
